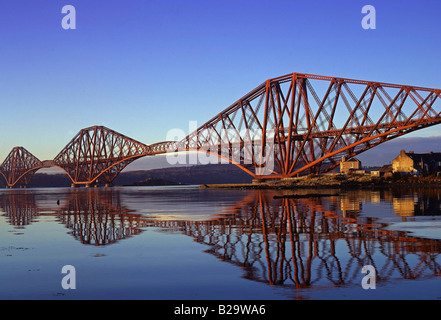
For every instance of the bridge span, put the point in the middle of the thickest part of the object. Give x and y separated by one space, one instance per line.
287 126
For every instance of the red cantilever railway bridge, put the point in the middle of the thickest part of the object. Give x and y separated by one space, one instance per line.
290 125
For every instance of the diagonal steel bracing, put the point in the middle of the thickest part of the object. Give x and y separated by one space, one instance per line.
305 123
19 167
287 126
98 153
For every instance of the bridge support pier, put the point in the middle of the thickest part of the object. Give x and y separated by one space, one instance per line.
108 185
73 185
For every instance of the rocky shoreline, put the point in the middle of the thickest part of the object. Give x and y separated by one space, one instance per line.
339 181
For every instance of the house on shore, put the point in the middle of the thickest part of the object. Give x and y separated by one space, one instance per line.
352 164
417 163
384 171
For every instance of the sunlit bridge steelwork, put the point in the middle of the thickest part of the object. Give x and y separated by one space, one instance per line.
98 152
290 125
19 167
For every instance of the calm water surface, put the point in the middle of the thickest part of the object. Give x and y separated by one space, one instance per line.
190 243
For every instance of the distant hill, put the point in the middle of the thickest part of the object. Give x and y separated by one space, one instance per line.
192 175
44 180
200 174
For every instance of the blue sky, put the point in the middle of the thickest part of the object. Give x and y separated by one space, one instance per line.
144 67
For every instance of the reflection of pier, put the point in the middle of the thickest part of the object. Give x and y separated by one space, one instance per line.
19 211
98 217
305 242
94 216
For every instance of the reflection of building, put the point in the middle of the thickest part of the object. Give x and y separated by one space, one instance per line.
350 207
349 165
404 206
375 196
410 162
425 202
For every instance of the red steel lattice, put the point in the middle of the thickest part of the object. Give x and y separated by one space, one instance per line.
308 122
19 167
98 152
290 125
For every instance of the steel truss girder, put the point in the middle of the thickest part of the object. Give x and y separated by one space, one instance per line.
98 152
290 125
19 167
304 131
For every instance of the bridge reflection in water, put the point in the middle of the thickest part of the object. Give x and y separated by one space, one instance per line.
95 217
276 238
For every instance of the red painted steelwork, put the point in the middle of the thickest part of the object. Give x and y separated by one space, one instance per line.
98 153
19 167
309 122
290 125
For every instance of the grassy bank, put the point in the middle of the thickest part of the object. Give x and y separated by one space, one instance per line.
337 181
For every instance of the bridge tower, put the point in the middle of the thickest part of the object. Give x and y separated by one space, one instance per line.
19 167
98 154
